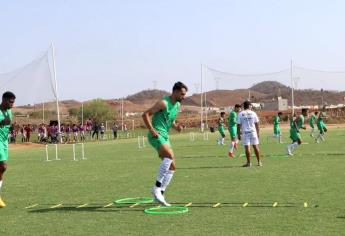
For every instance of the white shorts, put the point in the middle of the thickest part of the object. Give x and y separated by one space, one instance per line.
250 139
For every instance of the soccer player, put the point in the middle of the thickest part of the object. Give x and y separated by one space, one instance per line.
276 128
248 127
163 114
321 127
312 121
221 130
232 126
296 123
8 99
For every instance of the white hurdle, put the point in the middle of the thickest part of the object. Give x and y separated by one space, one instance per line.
141 141
73 150
205 136
82 151
191 137
56 152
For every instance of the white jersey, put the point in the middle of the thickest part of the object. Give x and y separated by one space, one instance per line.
247 120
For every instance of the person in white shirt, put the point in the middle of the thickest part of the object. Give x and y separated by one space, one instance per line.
248 131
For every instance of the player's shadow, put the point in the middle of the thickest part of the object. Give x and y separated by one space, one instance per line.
97 209
201 156
208 167
341 217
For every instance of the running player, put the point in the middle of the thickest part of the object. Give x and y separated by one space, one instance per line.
312 121
8 99
163 114
321 127
220 140
232 126
296 123
276 128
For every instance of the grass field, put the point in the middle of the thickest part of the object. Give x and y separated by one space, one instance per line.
205 176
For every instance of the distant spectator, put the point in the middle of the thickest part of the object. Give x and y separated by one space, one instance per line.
115 128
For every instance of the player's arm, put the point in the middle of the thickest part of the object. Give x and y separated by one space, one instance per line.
239 131
160 105
5 121
177 126
257 127
302 127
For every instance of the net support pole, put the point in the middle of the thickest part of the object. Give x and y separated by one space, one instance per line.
292 91
201 96
56 90
82 113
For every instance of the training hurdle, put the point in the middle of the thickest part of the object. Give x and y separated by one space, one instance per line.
74 145
141 141
82 151
205 136
191 136
56 152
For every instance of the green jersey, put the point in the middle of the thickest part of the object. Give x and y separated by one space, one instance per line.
163 120
276 121
312 120
4 129
232 119
300 121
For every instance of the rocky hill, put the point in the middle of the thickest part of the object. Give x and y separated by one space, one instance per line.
261 92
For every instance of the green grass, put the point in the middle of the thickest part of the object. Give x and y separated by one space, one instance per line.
205 176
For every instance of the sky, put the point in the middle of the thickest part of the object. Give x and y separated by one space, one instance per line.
110 49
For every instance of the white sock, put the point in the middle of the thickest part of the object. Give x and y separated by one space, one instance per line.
222 140
293 146
0 184
163 169
232 145
168 177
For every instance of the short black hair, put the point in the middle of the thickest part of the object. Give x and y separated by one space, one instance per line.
222 113
316 113
280 113
8 95
237 106
246 104
304 110
179 85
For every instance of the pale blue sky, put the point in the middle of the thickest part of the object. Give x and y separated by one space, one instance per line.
116 48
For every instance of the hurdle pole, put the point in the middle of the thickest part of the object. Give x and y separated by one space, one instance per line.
82 152
144 141
73 147
47 157
56 153
139 142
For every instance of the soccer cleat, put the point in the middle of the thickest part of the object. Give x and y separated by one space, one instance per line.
231 154
158 196
260 163
2 204
247 165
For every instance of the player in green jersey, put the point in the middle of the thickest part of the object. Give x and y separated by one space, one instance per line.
163 115
296 123
232 126
321 127
312 121
276 128
8 99
221 129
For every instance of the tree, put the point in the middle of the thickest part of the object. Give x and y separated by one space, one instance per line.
99 110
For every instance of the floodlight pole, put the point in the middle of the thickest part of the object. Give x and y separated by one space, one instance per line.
292 91
56 89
